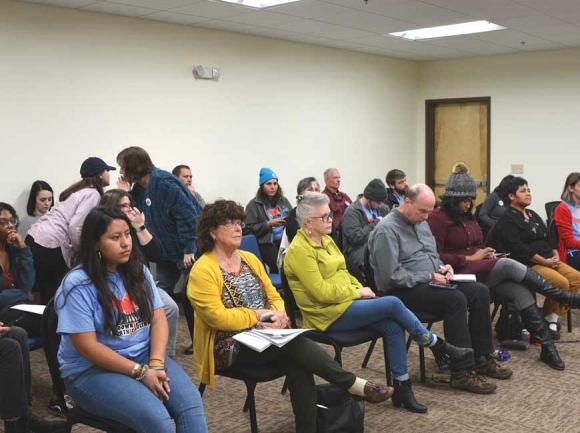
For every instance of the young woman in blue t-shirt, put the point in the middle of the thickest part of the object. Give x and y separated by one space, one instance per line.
114 335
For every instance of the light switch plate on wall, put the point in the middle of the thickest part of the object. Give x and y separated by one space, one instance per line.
517 168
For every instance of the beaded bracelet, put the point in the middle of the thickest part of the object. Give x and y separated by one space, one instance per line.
142 373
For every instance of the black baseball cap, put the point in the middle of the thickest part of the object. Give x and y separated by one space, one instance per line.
93 166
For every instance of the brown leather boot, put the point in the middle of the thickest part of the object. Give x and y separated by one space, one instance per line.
488 366
470 381
375 393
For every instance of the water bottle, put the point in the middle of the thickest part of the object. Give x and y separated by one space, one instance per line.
525 335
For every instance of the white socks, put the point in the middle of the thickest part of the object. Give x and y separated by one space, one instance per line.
358 387
552 319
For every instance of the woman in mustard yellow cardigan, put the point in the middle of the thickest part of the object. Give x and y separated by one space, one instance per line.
230 292
332 299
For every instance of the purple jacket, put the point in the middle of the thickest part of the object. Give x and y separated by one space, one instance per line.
456 241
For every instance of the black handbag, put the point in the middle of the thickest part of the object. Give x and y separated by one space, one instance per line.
339 412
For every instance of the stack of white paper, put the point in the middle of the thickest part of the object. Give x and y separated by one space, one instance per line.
464 278
30 308
260 339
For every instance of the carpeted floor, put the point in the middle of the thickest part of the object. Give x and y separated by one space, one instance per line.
537 398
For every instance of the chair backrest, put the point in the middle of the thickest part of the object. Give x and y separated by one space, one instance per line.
51 341
250 244
289 300
551 224
369 273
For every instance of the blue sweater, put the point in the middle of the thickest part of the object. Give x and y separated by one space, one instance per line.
171 213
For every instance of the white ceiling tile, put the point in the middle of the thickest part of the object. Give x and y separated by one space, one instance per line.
388 42
368 22
531 23
471 45
309 39
211 9
63 3
228 26
373 6
514 39
263 18
340 32
271 33
552 6
425 15
161 5
486 9
170 17
309 9
304 26
118 9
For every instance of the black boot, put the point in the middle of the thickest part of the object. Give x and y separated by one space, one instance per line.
37 424
403 396
453 353
537 283
534 323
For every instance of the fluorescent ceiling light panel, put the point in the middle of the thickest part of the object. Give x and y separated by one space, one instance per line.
452 30
258 4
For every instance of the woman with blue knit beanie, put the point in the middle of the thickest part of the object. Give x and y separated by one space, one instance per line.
266 217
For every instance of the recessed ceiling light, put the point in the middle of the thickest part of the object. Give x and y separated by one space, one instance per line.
258 4
451 30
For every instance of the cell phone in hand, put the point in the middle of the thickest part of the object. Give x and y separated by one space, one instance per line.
266 317
14 322
442 285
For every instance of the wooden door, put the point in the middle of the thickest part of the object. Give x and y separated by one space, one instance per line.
458 130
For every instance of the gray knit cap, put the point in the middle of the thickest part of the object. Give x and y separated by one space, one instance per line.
460 184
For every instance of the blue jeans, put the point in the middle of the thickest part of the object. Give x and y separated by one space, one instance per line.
123 399
389 317
10 297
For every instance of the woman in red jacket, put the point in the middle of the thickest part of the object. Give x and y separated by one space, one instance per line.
567 219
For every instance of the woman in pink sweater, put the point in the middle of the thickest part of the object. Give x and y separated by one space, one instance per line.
55 237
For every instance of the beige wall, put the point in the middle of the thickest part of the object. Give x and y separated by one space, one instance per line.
75 84
535 112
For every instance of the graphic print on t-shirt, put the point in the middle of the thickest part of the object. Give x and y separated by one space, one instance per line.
130 317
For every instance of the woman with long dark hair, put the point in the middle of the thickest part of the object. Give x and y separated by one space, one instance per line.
40 201
266 217
114 335
55 237
151 248
494 205
460 244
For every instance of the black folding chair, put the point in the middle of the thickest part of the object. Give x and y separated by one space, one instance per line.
251 376
76 414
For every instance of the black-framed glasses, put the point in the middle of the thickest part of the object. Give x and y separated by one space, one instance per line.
326 217
7 223
232 224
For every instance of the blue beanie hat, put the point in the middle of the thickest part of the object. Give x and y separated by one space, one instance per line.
266 174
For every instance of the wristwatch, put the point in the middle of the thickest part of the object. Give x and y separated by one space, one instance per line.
140 229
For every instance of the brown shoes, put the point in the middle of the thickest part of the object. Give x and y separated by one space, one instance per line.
470 381
375 393
488 366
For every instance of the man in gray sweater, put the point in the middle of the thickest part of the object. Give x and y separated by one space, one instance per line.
404 258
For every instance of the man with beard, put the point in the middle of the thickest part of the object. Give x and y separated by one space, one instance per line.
397 187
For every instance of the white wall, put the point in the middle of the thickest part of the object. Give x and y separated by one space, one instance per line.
535 113
75 84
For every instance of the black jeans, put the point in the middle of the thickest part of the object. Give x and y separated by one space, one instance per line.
453 306
15 388
299 360
269 253
573 259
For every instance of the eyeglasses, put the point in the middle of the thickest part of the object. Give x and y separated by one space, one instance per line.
232 224
7 223
326 217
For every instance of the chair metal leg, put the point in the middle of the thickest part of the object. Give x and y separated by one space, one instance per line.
496 306
201 389
284 387
251 406
369 353
422 364
569 317
387 363
338 354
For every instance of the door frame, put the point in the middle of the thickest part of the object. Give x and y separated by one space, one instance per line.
430 105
